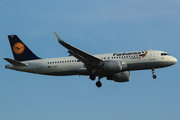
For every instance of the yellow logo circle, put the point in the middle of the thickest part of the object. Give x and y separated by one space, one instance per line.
18 48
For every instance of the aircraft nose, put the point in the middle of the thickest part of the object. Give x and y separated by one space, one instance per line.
174 60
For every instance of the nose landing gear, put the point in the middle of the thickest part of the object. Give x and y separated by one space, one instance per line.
153 72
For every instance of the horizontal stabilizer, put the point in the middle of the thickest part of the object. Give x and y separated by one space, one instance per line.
14 62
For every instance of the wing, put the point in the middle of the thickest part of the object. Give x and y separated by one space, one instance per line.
88 59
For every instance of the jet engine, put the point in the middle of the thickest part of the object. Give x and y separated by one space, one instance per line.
113 66
120 77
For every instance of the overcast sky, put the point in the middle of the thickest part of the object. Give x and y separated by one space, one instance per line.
96 26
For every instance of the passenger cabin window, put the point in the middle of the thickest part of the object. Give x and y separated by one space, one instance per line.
164 54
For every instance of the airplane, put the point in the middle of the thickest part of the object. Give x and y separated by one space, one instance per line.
113 66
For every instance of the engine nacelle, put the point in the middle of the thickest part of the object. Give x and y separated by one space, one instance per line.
120 77
113 66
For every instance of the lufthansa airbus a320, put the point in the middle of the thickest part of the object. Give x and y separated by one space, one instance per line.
113 66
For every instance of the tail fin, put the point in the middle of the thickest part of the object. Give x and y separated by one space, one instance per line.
20 51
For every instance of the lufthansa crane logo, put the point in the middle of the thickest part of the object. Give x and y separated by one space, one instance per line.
144 55
18 48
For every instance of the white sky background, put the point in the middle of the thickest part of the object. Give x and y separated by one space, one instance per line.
96 26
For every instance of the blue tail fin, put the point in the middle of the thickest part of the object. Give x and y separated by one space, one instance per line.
20 51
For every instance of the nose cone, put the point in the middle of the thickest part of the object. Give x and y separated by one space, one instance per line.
173 60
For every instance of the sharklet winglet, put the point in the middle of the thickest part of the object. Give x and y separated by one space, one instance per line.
58 38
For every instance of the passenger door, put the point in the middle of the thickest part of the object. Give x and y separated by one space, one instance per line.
39 64
152 55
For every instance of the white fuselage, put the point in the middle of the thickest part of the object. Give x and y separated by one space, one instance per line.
71 66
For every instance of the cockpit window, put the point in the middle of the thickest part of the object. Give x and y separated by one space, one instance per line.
163 54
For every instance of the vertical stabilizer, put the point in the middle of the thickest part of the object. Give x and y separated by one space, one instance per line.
20 51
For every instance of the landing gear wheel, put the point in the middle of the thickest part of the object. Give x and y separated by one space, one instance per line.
154 76
98 84
153 72
92 77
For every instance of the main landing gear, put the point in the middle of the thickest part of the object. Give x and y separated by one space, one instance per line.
92 77
98 83
153 72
